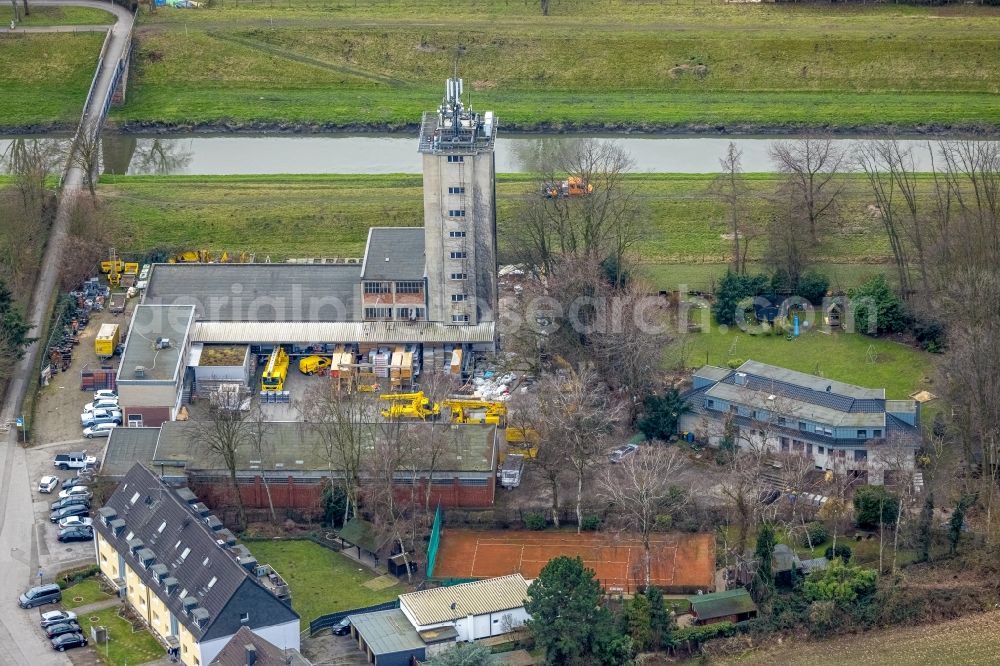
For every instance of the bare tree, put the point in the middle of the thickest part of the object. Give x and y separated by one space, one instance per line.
812 168
262 448
228 436
345 428
789 246
393 517
641 491
731 189
87 158
527 414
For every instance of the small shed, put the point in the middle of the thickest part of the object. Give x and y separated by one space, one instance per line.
729 606
387 638
361 534
785 564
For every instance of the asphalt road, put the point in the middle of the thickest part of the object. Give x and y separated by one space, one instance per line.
21 640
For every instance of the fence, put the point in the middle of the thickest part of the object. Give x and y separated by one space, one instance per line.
327 621
434 543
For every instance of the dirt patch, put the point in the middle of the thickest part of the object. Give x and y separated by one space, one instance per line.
677 71
484 85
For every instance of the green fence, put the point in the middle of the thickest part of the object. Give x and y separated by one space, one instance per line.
434 543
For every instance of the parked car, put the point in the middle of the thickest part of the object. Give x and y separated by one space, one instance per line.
623 452
55 617
68 627
40 595
99 430
105 394
74 460
76 534
76 521
342 628
70 501
90 419
75 510
75 481
67 641
103 403
76 491
47 484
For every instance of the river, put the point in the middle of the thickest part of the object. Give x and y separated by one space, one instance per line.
335 153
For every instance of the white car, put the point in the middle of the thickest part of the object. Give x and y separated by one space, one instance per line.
76 491
99 430
623 452
105 394
57 617
88 419
76 521
47 484
103 403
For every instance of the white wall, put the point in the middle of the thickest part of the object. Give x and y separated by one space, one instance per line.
282 636
474 627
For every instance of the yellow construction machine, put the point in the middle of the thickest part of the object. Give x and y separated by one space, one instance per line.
522 440
409 406
473 410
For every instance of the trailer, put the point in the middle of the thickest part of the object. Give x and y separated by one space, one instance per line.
107 340
511 471
116 303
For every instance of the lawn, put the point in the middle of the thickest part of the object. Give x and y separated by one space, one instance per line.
126 646
88 591
965 641
322 581
595 63
42 16
329 215
44 78
847 357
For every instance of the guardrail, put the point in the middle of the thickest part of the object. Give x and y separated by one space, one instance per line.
327 621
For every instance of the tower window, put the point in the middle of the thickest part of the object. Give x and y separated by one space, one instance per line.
459 276
457 255
457 297
460 319
377 287
410 313
456 234
456 158
456 212
456 190
378 313
409 287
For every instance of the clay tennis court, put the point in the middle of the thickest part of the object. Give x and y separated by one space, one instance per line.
681 563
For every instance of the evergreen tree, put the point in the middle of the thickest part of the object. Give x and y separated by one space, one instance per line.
957 521
638 622
924 528
661 620
762 586
463 654
877 308
660 415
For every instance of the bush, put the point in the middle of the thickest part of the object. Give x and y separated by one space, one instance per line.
843 551
734 363
695 636
874 505
815 535
929 333
841 583
74 576
591 523
877 309
732 289
535 521
813 287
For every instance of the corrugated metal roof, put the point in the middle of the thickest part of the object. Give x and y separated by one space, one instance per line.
813 382
721 604
478 598
394 253
387 632
388 332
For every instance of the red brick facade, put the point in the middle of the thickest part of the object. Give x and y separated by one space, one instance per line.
152 417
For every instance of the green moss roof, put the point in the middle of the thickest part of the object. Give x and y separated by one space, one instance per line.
721 604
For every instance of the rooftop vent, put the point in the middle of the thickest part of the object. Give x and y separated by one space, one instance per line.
741 379
163 343
140 371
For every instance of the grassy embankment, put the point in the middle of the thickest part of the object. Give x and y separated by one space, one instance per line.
329 215
43 16
596 63
44 78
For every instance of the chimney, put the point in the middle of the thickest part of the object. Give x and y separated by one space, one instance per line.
251 654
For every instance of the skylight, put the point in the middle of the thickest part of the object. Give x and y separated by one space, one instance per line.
186 552
130 535
212 582
134 499
162 526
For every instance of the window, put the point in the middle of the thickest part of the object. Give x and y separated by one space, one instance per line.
104 558
410 313
456 158
459 276
456 234
204 562
860 455
821 450
862 434
734 409
456 298
185 553
378 313
753 414
797 446
377 287
212 582
244 618
459 319
784 445
410 287
876 433
710 404
457 190
162 527
456 212
809 448
184 648
781 420
134 499
802 426
156 618
457 255
130 536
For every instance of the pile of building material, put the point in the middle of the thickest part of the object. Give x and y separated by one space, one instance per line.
493 387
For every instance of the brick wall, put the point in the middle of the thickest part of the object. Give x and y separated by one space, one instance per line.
152 417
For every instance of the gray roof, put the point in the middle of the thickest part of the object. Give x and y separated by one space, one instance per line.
394 253
259 292
296 447
806 380
179 538
387 632
150 322
126 446
235 652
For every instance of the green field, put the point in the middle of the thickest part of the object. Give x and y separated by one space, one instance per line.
594 63
44 78
87 591
127 645
329 215
322 581
66 16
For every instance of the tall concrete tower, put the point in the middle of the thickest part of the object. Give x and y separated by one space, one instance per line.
459 211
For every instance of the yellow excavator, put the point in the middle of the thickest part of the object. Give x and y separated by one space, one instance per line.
574 186
409 406
488 411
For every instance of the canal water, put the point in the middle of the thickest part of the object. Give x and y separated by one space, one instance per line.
397 153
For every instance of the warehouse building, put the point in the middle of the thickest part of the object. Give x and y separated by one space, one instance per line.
422 296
